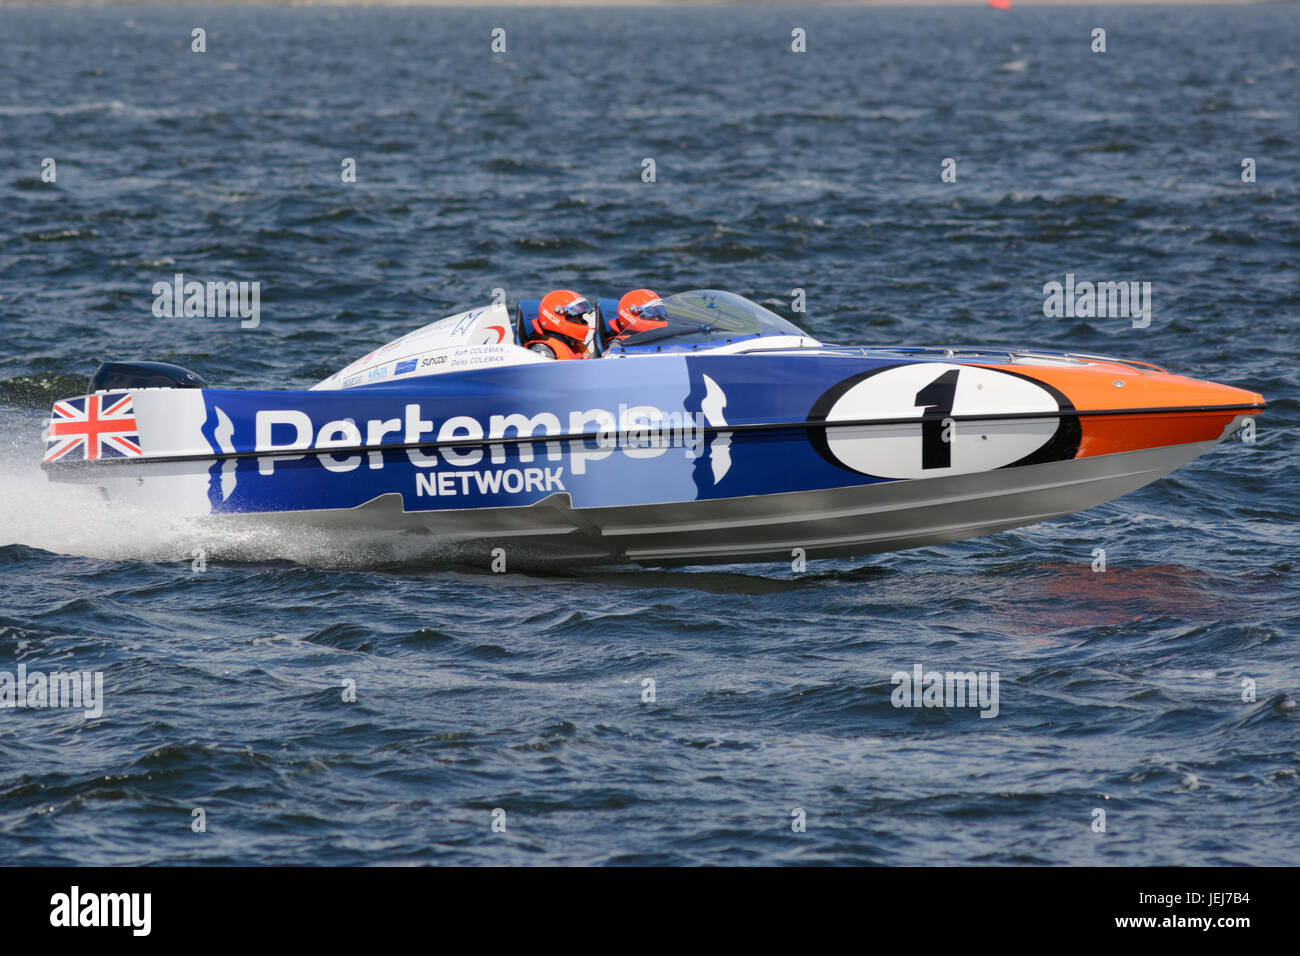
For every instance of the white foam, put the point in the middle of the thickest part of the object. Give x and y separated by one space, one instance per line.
76 519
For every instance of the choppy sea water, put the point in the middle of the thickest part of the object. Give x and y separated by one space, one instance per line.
1120 690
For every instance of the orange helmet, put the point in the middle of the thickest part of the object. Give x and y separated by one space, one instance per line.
563 312
639 311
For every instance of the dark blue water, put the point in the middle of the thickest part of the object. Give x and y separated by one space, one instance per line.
1119 690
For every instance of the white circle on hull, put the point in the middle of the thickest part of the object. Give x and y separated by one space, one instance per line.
942 445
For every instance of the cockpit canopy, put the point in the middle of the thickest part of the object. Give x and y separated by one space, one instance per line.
704 317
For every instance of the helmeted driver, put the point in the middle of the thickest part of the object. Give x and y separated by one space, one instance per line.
564 326
639 311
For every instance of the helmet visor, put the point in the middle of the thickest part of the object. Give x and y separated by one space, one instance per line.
575 310
654 310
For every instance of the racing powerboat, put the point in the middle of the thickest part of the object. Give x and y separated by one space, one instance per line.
726 434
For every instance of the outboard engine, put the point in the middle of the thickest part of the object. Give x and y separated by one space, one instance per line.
117 376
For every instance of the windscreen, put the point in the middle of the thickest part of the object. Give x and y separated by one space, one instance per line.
707 315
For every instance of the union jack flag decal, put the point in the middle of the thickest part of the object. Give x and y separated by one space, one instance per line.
97 426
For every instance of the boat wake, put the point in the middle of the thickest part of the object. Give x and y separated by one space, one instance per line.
77 520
